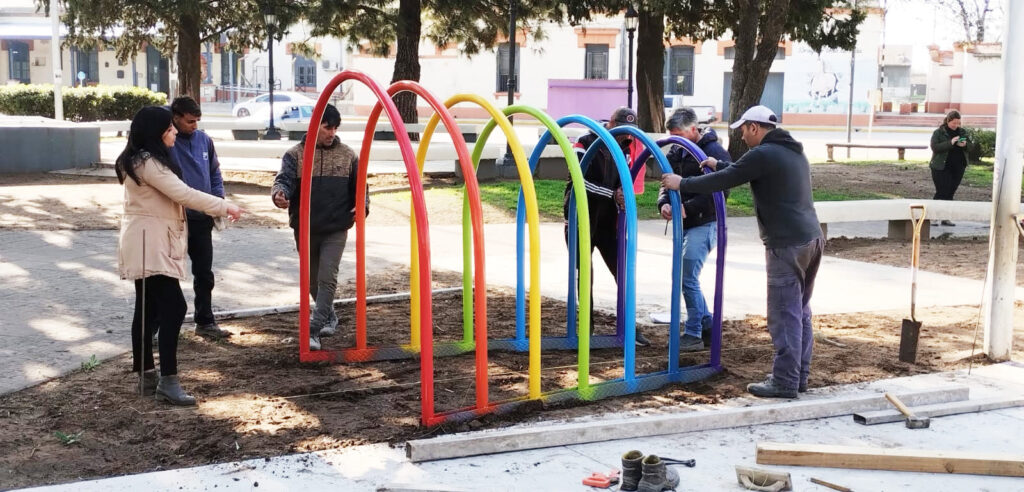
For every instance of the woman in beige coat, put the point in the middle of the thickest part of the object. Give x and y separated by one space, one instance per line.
153 244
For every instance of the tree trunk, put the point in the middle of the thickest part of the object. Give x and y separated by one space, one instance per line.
650 84
757 39
407 60
189 68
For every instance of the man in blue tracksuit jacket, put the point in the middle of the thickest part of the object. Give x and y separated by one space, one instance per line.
193 151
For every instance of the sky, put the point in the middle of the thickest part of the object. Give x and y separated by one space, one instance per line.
920 23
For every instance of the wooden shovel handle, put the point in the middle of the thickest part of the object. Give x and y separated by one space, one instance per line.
899 404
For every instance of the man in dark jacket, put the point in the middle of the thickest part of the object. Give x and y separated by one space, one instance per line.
700 224
780 179
331 213
193 151
604 196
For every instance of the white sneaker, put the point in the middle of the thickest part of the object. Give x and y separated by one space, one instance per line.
314 343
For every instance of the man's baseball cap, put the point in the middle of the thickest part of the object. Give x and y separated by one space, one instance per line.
758 114
624 116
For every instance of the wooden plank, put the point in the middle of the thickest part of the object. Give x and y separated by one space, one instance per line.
938 410
892 459
534 437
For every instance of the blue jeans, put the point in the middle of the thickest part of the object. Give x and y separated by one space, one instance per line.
697 243
791 273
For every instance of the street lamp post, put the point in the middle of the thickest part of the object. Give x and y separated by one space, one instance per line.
631 22
268 15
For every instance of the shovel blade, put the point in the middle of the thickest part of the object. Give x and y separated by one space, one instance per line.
908 340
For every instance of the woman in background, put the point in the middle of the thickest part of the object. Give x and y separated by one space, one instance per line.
949 159
153 243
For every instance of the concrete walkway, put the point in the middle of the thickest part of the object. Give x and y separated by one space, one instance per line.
63 302
379 467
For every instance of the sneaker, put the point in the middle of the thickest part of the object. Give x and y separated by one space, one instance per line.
331 327
212 331
314 342
769 389
641 340
689 343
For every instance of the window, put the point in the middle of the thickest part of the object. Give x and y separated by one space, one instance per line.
305 72
596 63
502 72
281 98
679 70
730 53
18 52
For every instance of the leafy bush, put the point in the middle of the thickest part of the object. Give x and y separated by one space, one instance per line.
983 143
80 103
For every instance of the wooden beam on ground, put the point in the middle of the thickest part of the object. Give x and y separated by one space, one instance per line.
544 436
892 459
938 410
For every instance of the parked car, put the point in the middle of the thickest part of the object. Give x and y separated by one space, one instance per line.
291 119
262 102
705 114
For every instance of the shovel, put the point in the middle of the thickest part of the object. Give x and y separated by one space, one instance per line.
912 327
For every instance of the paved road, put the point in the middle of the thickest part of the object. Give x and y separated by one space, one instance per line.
62 300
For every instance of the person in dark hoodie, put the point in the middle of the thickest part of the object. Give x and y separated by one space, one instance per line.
780 179
200 170
331 214
604 196
700 226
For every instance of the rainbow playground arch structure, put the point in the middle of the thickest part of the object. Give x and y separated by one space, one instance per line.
528 330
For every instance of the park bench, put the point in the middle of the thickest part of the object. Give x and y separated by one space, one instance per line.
897 212
901 149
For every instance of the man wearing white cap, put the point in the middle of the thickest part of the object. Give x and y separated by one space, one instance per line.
780 179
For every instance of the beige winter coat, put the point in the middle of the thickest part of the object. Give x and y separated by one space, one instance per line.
156 208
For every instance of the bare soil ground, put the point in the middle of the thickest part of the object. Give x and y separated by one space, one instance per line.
257 400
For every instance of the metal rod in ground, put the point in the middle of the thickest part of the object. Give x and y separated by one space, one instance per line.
291 308
142 325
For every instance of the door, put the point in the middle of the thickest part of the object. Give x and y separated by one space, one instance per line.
18 58
157 72
771 96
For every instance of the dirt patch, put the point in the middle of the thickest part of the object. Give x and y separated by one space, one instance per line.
257 400
889 180
965 257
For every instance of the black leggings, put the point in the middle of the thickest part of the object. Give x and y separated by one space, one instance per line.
165 311
947 181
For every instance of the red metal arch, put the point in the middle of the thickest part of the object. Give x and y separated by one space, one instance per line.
419 210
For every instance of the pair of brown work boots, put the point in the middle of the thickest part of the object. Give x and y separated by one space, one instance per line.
647 473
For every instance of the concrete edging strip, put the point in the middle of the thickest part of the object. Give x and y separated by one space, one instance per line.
507 440
938 410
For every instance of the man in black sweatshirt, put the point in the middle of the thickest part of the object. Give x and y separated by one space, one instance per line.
780 179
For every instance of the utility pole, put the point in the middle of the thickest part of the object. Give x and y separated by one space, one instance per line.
58 99
1000 284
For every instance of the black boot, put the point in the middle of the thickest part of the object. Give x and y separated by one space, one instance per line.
656 476
631 470
169 390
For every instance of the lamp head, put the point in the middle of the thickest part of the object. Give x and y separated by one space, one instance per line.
632 19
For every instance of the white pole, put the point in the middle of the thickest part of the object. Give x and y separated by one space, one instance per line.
55 58
1001 284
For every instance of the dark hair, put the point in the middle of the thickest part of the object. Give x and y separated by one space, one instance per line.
145 139
681 118
950 116
331 116
185 105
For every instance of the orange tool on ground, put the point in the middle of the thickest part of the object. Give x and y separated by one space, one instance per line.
602 481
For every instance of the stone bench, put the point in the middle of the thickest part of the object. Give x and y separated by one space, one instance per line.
897 212
901 149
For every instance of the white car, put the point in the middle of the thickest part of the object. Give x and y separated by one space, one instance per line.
705 114
261 103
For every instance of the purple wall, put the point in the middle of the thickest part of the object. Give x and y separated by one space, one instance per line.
594 98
